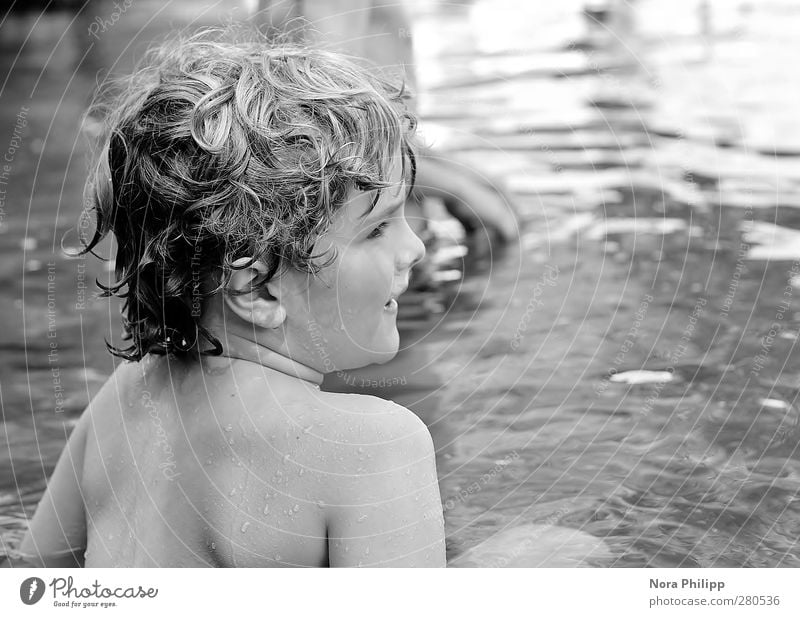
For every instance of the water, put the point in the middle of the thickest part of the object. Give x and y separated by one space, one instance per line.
655 175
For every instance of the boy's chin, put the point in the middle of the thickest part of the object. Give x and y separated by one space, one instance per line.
385 357
380 351
376 357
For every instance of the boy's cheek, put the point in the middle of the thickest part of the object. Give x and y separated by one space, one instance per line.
326 314
366 270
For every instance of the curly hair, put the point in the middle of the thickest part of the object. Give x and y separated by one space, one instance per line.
218 150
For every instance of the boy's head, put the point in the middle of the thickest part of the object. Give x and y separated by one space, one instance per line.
221 159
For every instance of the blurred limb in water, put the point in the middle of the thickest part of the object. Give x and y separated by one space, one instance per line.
380 31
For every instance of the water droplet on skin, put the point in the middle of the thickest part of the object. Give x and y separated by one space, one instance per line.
308 429
229 427
286 458
266 509
277 557
208 462
360 450
366 551
230 441
320 504
408 472
301 472
346 549
245 525
296 508
360 563
213 546
233 492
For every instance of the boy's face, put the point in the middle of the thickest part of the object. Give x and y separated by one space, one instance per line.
345 317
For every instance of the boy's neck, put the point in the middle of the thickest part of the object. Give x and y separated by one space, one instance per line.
241 348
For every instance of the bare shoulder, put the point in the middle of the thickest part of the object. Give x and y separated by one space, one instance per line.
369 434
359 415
382 492
318 475
286 467
340 436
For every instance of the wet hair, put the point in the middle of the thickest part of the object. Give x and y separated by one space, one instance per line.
215 151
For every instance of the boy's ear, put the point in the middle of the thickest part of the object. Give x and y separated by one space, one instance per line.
252 305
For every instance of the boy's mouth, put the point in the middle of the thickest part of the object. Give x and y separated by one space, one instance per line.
391 305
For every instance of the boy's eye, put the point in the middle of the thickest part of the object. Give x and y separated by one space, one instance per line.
378 231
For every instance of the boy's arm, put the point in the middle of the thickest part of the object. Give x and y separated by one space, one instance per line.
56 537
386 510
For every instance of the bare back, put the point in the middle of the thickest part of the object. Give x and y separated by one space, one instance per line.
178 465
165 481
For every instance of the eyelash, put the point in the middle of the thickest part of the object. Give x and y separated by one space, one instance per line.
378 231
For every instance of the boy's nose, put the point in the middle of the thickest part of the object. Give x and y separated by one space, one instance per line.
413 253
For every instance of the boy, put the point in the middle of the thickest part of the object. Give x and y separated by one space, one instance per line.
256 197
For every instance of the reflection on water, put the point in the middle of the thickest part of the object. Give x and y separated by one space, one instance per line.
656 174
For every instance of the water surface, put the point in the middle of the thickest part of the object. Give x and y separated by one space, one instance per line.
654 164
